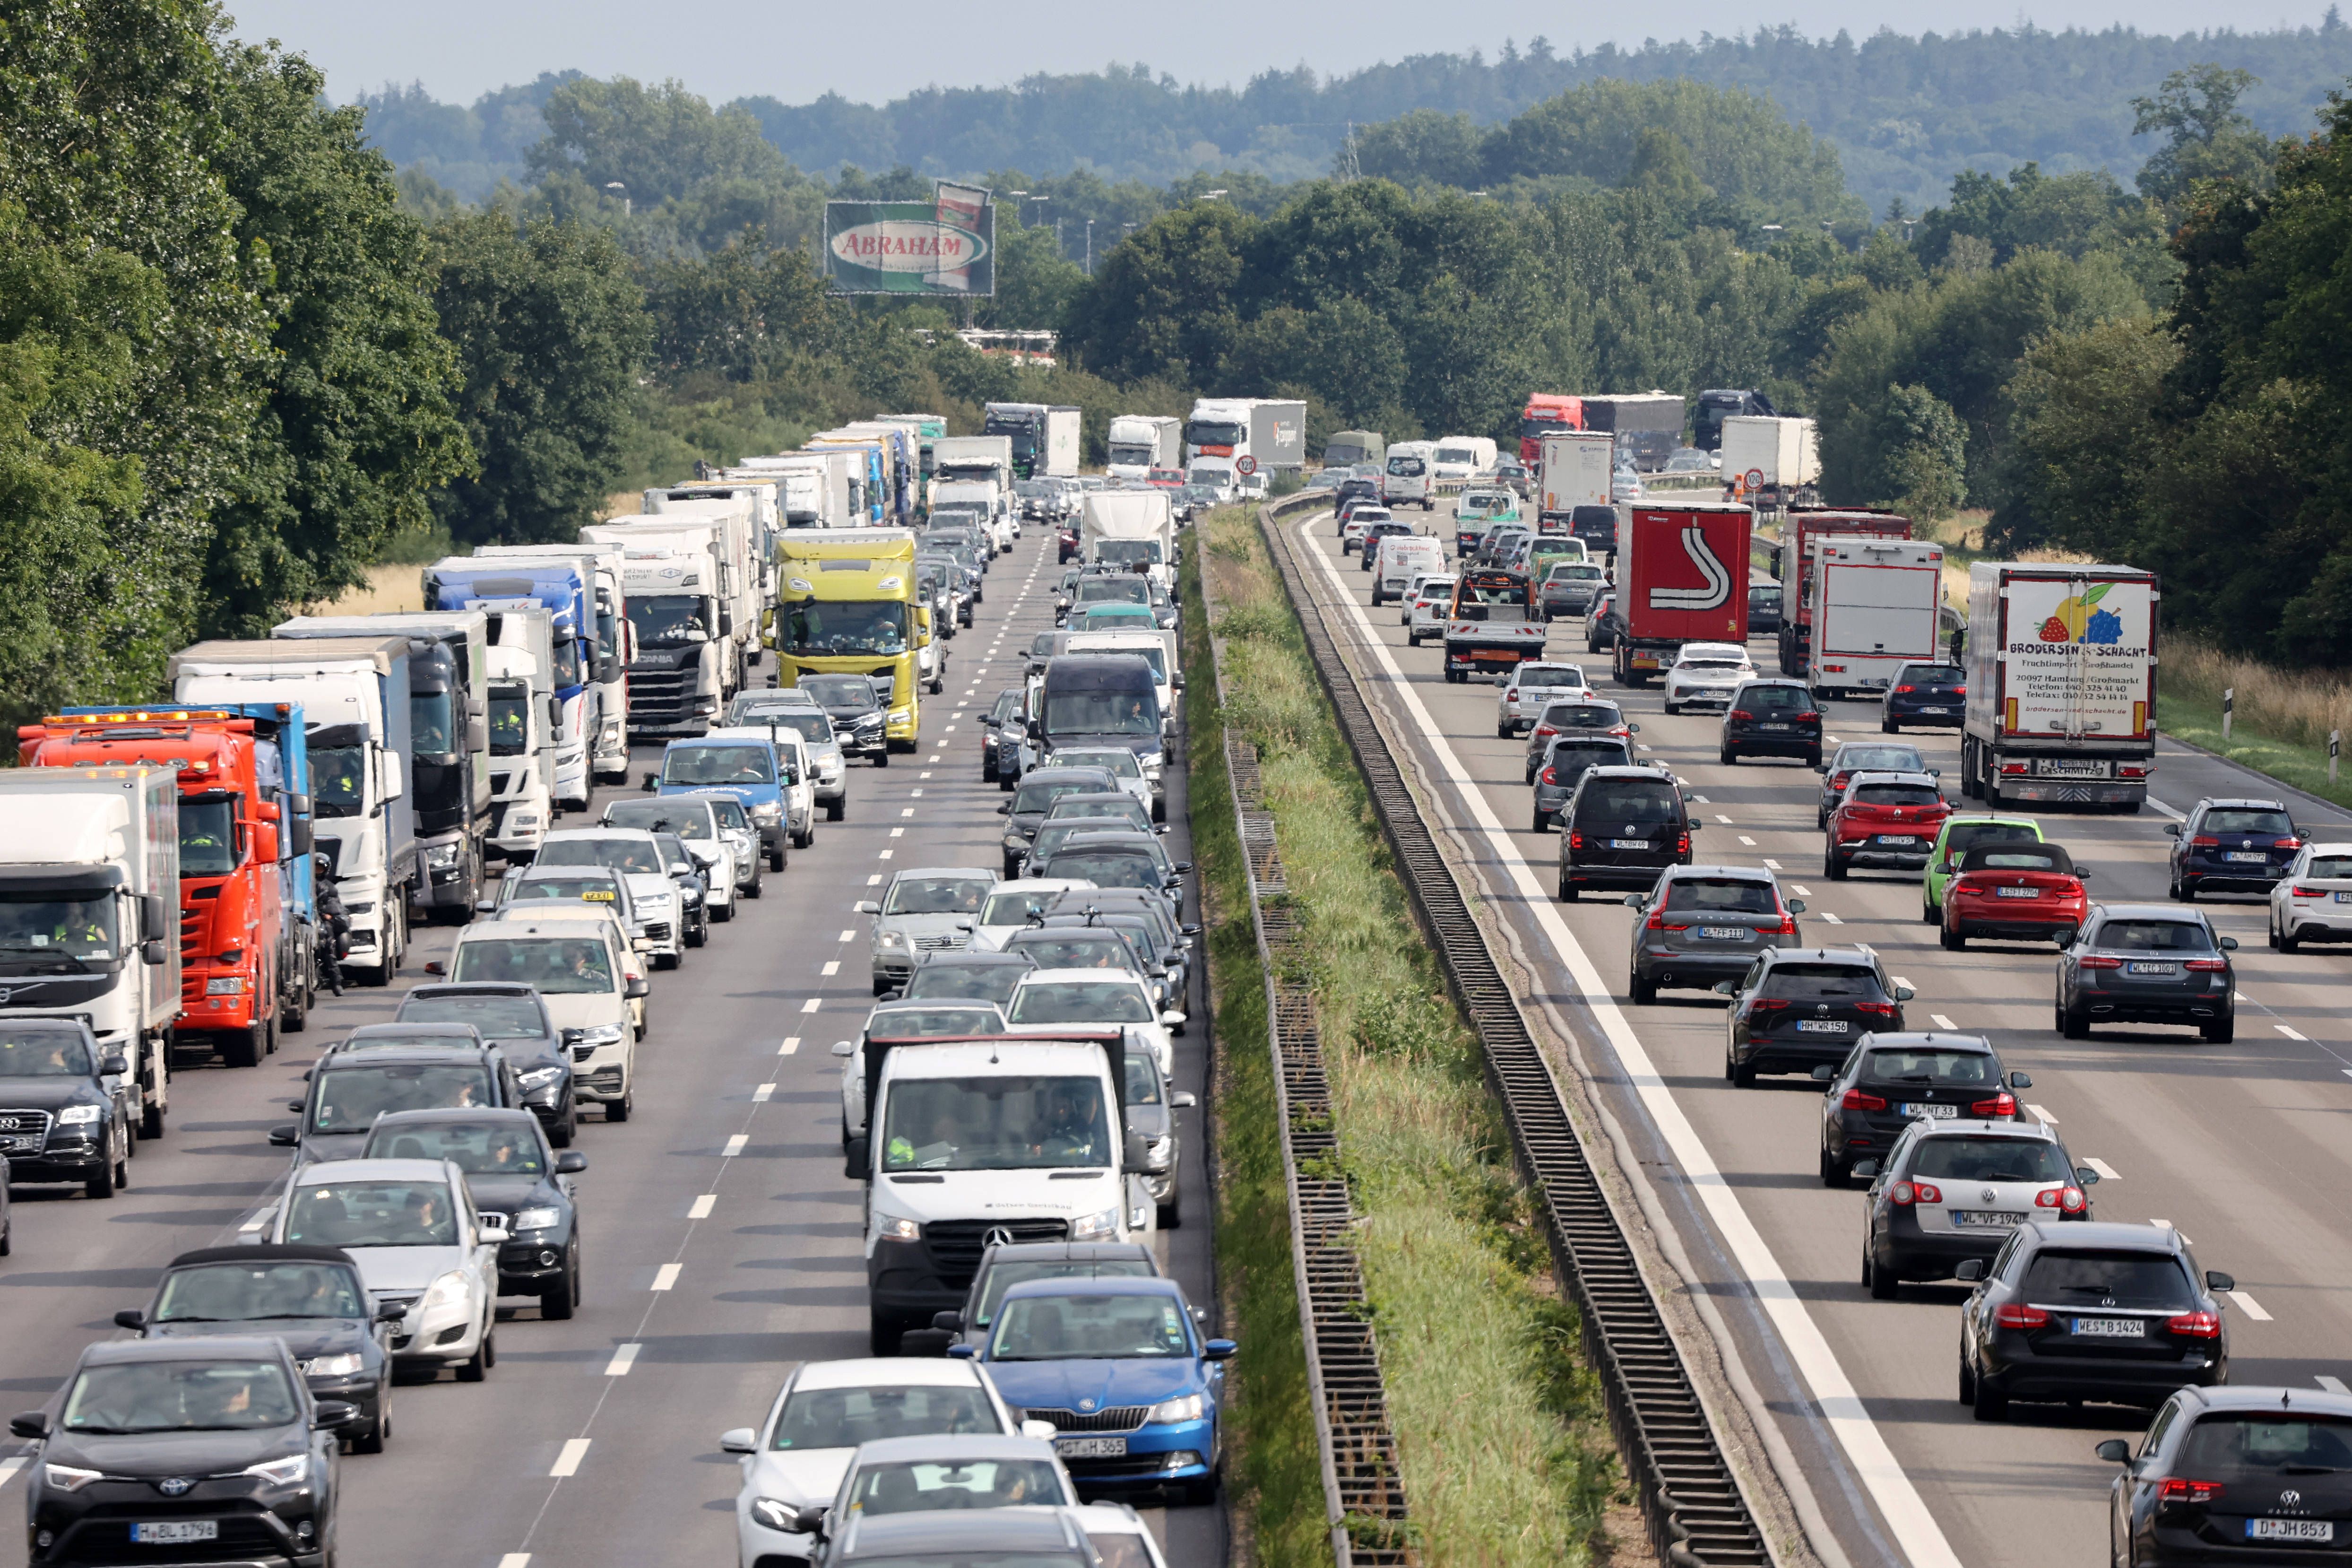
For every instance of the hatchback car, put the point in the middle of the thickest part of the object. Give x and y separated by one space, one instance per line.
2265 1466
2313 901
1929 693
1864 756
2116 1313
1426 611
1771 718
1570 587
1054 999
1890 1080
1564 761
1620 828
1118 861
1702 924
1885 821
406 1067
905 1501
2013 891
996 747
1951 1191
1528 690
2232 846
962 974
1705 674
1764 598
59 1120
1152 1108
927 908
1036 795
859 717
515 1019
1600 629
1802 1007
1586 717
1956 838
1127 772
2146 964
510 1171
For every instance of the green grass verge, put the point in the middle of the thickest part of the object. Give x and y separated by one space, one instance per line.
1504 1447
2195 716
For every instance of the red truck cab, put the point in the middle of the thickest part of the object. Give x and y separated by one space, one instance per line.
1545 413
232 907
1800 527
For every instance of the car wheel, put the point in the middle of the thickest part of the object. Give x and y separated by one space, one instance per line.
2076 1026
556 1304
1991 1403
1968 1380
882 758
882 1335
1542 821
776 858
1883 1285
1832 866
1644 992
560 1135
2288 943
1502 729
476 1367
1834 1170
836 810
1889 727
1728 757
618 1110
122 1165
102 1185
1566 894
2221 1030
1170 1216
1930 914
1814 758
242 1047
380 1432
723 912
1953 941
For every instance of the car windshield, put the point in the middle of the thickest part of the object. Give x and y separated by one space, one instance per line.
848 1418
1879 760
1928 1064
1973 1157
2273 823
43 1053
1722 895
840 690
1576 755
615 853
1104 869
1819 981
350 1097
2153 936
498 1018
577 889
1895 794
1775 699
995 1123
180 1396
500 1148
937 895
372 1214
1079 1001
690 820
2235 1447
1134 712
1040 791
1407 468
1636 802
1129 551
700 765
338 780
240 1292
924 1485
1113 591
926 1023
964 982
1119 763
2087 1276
1008 703
1143 1078
560 966
1089 1327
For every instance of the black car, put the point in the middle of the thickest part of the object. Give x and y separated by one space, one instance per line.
1597 526
1603 625
1802 1007
1703 924
961 975
513 1017
312 1298
693 892
859 717
1620 829
2115 1313
511 1171
201 1450
2268 1467
1011 1263
1097 859
1000 739
1763 606
1035 795
1772 718
1933 694
394 1067
1890 1080
2148 963
1949 1194
2232 846
58 1120
1566 760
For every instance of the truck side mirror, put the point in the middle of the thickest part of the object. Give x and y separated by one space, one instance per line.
1138 1151
155 954
115 1066
154 921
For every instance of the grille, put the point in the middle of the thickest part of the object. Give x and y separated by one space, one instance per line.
108 1540
499 817
1118 1418
956 1244
498 783
660 696
24 1132
934 943
657 931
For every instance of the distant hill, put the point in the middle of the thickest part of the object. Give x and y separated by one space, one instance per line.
1905 114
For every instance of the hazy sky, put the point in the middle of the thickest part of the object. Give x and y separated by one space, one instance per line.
731 49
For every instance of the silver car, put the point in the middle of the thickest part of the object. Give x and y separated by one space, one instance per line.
924 910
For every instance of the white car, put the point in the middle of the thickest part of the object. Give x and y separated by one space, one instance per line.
1351 532
696 825
1051 999
1010 904
633 967
635 855
1120 1536
1520 699
1426 611
1705 674
2313 903
582 971
826 1411
412 1227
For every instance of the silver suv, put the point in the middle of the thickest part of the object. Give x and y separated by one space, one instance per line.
925 909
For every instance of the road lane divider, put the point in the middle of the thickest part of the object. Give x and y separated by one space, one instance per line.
567 1462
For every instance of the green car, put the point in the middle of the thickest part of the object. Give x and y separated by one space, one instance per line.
1957 836
1112 618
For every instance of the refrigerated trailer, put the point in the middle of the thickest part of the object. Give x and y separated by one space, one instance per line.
1686 580
2062 684
1873 608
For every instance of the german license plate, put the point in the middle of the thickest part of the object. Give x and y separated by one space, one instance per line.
2313 1530
174 1533
1820 1025
2109 1329
1725 933
2151 969
1090 1448
2255 855
2017 892
1898 838
2071 768
1986 1220
2344 898
1936 710
21 1144
1629 843
1771 726
1928 1108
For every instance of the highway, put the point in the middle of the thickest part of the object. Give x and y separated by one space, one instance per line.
2240 1146
721 1240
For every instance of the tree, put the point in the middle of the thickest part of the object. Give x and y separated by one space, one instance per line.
1923 452
658 142
550 326
2210 139
2089 441
1161 304
1035 283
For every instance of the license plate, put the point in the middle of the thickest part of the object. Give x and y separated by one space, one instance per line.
2255 855
2151 969
1937 711
1771 726
20 1145
2070 768
2018 892
1905 838
1986 1220
1725 933
2316 1530
173 1532
1629 843
1820 1025
1928 1108
2344 898
2109 1329
1090 1448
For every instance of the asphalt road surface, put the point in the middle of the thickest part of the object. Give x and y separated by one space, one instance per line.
721 1241
2240 1146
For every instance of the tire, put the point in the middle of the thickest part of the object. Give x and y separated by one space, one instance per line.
151 1120
380 1432
837 808
560 1135
1832 866
476 1367
776 859
1968 1381
1953 941
556 1305
619 1109
2074 1025
1929 915
1991 1403
1672 710
1814 758
882 758
294 1011
2188 893
882 1336
2286 943
1644 993
1502 729
724 912
2222 1030
1728 758
1542 823
1888 727
1883 1286
1170 1216
242 1049
1566 894
1833 1171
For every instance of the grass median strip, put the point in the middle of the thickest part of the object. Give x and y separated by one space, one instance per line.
1501 1441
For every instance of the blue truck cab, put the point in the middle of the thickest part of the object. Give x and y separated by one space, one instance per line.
568 592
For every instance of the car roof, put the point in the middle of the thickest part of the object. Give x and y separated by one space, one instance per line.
969 958
531 872
2247 1396
895 1372
206 1347
2170 912
1890 775
1050 976
2114 1233
1971 1127
980 871
2235 803
1819 955
1722 873
467 1033
600 830
1070 1252
1715 649
1028 1528
1651 774
1100 1284
514 925
931 1004
1774 680
265 1252
1933 1039
337 1061
468 988
1032 775
427 1115
372 1171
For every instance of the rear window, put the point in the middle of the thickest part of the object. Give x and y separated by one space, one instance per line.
2329 866
1635 802
2255 1446
1776 699
964 982
1575 571
2084 1276
1963 1069
2266 822
1820 981
1895 794
1583 716
1577 754
1722 895
2153 936
1879 759
1552 674
1933 675
1971 1158
1966 835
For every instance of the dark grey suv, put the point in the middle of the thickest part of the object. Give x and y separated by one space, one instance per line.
1705 923
1566 759
1621 827
2148 963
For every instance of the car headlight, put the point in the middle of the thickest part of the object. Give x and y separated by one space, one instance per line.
66 1478
772 1514
227 985
523 819
537 1218
1184 1407
1094 1227
287 1472
1017 842
654 901
767 811
891 939
898 715
890 1227
539 1078
441 855
693 896
601 1035
76 1113
449 1290
343 1365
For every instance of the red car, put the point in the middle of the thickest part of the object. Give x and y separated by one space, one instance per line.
1884 822
2017 890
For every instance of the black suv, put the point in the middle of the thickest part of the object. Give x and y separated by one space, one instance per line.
1893 1081
1620 829
1933 694
58 1121
392 1066
514 1017
1772 718
859 717
2235 846
1803 1007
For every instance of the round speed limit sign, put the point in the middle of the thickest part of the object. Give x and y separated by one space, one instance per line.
1247 465
1755 478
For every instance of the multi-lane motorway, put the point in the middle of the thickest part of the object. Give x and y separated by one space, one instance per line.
721 1241
2241 1146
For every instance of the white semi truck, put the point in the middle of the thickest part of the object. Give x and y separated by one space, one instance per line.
1138 443
1134 528
681 676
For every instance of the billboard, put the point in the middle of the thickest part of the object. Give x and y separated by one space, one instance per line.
945 245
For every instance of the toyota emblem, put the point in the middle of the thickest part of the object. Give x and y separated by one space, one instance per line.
998 1236
176 1486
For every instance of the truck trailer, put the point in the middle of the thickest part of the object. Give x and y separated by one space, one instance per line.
2060 662
1773 462
1684 580
1802 530
1873 608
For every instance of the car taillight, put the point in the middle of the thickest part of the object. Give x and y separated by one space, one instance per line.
2204 841
1788 926
1682 845
2206 965
2016 1315
1875 1009
1766 1004
1838 781
1656 922
1998 1105
2069 1198
1551 775
1906 688
2288 843
1905 1194
1547 729
1576 841
1809 717
2012 769
2096 961
2310 892
2179 1488
1959 691
2195 1325
1856 1099
1742 713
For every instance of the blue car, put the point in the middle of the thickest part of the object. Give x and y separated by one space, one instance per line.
745 765
1119 1366
2232 846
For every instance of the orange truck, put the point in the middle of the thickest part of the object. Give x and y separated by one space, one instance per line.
232 915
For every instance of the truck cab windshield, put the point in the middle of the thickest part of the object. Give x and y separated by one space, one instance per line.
1102 713
430 729
1129 552
666 619
338 780
207 836
853 627
509 721
1214 433
56 927
568 660
994 1124
1138 456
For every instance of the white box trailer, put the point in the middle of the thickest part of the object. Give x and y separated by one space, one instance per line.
2062 684
1137 526
1773 459
1876 602
1063 447
1578 466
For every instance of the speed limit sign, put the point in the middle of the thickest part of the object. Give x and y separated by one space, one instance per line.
1755 479
1247 465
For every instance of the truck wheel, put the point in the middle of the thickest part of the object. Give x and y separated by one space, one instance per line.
151 1120
294 1008
242 1047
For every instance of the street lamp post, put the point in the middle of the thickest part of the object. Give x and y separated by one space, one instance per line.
615 185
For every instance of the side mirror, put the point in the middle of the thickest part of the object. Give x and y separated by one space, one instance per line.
2082 875
2021 1080
1184 868
571 1162
962 1351
652 781
155 954
2217 1281
1796 906
1903 993
1182 1099
948 1322
1042 1430
2085 1177
1171 1017
2115 1450
1633 729
285 1137
1865 1169
2172 830
867 907
115 1066
858 1159
2229 944
1219 1349
130 1317
34 1424
844 1048
1824 1073
1935 773
1970 1269
493 1226
155 922
390 1311
809 1520
436 967
1726 988
739 1440
637 987
1692 827
1635 900
1138 1151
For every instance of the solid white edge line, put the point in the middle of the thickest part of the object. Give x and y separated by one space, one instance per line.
567 1462
2248 1305
1906 1513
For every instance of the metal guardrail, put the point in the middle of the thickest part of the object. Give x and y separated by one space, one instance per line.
1364 1497
1690 1500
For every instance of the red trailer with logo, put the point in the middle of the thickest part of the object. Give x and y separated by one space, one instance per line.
1685 579
1800 529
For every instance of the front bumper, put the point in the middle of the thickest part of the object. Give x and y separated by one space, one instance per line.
902 1281
532 1267
62 1159
1157 1455
445 1337
251 1533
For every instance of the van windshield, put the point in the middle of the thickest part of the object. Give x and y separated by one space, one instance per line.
1007 1123
1134 712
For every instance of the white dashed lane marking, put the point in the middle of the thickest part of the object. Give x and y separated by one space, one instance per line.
2248 1305
567 1462
735 1143
792 1043
1942 1022
667 1275
2107 1173
702 1207
623 1358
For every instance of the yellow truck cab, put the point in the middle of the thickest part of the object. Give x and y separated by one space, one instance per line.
846 605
